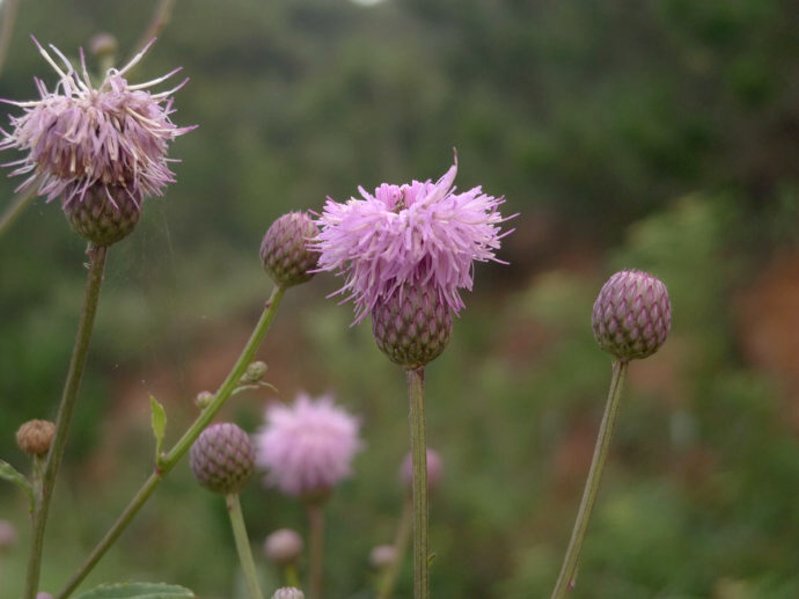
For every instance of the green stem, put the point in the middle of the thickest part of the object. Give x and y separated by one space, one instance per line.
568 571
291 576
316 524
161 17
15 208
421 552
401 539
69 397
7 29
243 545
168 461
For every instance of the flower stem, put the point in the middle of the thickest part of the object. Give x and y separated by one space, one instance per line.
291 576
401 539
161 17
41 507
7 29
183 445
316 524
421 575
15 207
243 545
571 559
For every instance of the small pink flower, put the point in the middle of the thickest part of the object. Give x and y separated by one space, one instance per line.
306 448
415 234
79 136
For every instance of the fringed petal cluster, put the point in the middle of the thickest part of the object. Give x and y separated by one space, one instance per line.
416 234
78 137
307 448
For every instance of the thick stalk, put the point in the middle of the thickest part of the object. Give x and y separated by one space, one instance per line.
243 545
316 525
168 462
77 363
401 539
421 552
572 558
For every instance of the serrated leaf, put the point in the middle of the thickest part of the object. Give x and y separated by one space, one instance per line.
158 422
12 475
138 590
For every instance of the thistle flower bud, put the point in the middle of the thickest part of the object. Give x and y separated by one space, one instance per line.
632 315
288 593
412 327
105 215
382 557
203 399
283 547
35 437
434 470
254 373
8 535
222 458
285 253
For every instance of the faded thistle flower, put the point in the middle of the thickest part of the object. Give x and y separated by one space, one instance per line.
307 447
100 149
34 437
222 458
285 250
434 470
632 315
414 243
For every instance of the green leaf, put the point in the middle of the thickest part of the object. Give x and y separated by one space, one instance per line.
158 421
137 590
12 475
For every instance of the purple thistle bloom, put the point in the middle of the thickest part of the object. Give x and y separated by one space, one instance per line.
78 136
307 447
419 233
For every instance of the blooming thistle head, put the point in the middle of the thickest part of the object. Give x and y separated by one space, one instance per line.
420 237
632 315
88 144
307 447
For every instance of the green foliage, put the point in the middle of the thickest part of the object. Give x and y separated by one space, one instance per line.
138 590
13 476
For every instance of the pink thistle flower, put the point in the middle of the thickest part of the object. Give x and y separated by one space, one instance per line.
78 137
418 233
307 447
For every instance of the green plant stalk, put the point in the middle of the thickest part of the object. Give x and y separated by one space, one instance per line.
7 28
170 459
572 558
401 539
291 577
16 207
243 545
77 363
316 525
421 552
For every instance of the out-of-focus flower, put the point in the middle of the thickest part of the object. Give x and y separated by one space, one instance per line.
8 535
382 557
419 234
288 593
306 448
632 315
435 469
79 137
222 458
284 546
34 437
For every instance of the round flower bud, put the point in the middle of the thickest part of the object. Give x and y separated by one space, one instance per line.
222 458
8 535
254 373
412 327
288 593
632 315
434 470
203 399
283 547
105 214
382 557
285 253
35 437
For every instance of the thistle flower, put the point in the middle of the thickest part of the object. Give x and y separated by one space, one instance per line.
306 448
632 315
284 546
222 458
410 235
34 437
81 140
288 593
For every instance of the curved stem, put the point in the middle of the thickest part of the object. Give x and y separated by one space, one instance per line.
161 16
421 552
183 445
316 524
243 545
15 208
401 539
7 29
69 398
568 571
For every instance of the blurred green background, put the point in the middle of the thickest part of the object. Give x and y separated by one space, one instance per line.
657 135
